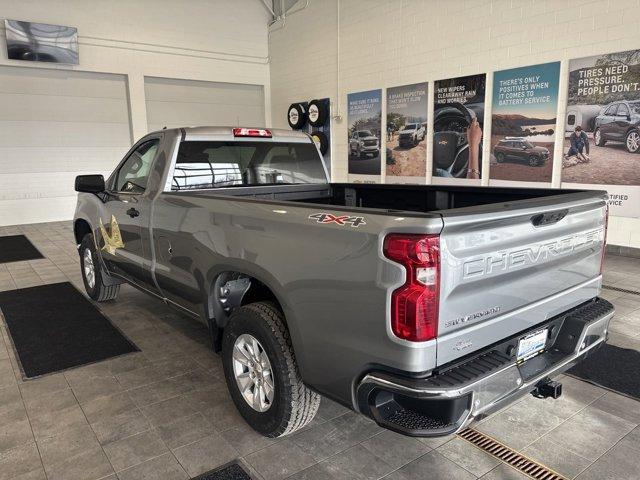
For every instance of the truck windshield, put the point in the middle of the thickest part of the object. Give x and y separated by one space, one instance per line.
204 165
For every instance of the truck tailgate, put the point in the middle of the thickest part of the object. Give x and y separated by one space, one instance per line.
516 265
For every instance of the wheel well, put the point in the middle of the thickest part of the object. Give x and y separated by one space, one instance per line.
80 229
232 290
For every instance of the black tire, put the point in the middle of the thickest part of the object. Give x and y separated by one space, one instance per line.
321 141
99 292
499 157
296 116
597 138
627 141
318 112
294 405
534 161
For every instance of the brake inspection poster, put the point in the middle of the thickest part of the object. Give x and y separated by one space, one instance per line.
602 136
457 148
406 130
364 120
523 123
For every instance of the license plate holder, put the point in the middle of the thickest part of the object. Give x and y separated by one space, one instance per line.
532 344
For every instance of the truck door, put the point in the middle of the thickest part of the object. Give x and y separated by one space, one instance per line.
125 235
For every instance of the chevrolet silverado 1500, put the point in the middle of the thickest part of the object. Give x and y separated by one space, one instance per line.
422 307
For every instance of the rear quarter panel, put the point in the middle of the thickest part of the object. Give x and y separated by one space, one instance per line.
330 279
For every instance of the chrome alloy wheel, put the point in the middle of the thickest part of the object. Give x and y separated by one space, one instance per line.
633 142
252 370
89 268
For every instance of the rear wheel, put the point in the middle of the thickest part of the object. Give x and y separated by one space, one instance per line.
597 138
633 141
93 275
261 372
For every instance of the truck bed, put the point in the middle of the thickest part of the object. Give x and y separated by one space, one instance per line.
391 198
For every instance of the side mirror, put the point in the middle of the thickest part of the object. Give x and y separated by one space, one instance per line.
90 183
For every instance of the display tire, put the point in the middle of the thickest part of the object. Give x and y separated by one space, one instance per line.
296 116
317 113
100 292
321 141
294 404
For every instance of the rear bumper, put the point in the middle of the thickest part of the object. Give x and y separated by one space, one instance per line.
471 389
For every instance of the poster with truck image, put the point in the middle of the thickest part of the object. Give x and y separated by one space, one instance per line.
458 105
406 130
602 128
364 124
523 123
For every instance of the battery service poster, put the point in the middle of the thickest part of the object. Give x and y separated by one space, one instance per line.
406 130
523 123
458 104
364 123
602 135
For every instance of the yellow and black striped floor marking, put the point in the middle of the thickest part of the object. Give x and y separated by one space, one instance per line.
509 456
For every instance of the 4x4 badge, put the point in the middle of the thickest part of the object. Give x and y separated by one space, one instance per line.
340 220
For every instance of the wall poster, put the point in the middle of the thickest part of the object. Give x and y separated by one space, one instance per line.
523 123
406 130
364 123
457 127
602 128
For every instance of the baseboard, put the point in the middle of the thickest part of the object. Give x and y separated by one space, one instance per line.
624 251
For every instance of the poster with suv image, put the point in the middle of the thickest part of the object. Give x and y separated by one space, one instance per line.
523 123
406 130
602 128
458 122
364 119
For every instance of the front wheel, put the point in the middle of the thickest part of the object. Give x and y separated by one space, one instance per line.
261 372
92 273
499 157
633 141
534 161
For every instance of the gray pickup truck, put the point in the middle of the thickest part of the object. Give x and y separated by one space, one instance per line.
422 307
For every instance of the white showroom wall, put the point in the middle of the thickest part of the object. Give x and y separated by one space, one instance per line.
334 47
211 41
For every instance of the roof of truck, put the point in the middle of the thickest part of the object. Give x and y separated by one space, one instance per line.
210 130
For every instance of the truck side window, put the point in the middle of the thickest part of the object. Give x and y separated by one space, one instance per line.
134 173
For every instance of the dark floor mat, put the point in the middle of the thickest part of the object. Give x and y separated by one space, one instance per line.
232 471
612 367
16 248
54 327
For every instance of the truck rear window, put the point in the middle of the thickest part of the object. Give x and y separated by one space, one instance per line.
205 164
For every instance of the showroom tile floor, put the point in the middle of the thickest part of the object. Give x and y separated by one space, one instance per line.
164 413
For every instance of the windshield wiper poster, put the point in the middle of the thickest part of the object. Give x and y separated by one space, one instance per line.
523 123
406 130
602 128
458 122
364 119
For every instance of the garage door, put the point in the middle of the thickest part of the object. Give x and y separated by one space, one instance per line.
54 125
179 103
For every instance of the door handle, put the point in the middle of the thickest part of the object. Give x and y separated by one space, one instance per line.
132 212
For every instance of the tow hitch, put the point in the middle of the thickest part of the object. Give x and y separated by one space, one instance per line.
547 388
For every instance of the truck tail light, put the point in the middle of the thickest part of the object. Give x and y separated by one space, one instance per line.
415 305
252 132
604 240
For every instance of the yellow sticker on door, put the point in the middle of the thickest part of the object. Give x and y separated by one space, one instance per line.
112 241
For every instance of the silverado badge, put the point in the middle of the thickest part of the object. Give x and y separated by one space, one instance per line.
114 241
